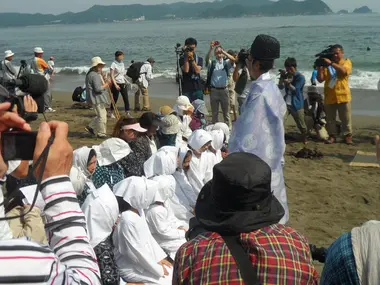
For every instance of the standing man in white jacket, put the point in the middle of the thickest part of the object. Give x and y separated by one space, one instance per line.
146 75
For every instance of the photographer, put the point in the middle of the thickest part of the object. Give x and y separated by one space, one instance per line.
8 71
71 259
242 78
293 82
191 65
217 80
335 73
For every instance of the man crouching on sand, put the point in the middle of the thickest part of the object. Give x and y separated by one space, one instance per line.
337 93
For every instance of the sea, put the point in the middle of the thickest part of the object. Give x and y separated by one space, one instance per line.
301 37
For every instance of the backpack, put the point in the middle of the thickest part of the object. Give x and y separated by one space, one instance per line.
134 71
211 70
77 94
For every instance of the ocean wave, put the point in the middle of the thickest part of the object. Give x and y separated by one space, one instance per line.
359 79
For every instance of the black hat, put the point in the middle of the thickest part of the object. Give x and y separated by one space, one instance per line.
239 197
265 47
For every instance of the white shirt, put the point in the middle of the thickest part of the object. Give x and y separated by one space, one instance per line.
8 71
146 75
136 251
51 64
164 227
119 71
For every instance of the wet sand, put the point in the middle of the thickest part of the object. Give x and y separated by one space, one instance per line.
326 197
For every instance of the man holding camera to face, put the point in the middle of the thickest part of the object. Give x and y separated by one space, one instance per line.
293 82
191 65
335 73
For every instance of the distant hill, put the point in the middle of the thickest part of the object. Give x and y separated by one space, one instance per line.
342 12
362 10
179 10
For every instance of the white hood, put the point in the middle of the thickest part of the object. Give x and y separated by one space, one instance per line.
198 139
111 151
101 211
163 162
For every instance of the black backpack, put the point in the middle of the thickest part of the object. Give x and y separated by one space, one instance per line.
134 71
211 71
77 94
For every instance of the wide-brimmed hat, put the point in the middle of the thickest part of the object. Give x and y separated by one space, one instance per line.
38 50
95 61
8 53
183 104
111 151
265 47
239 198
200 106
166 110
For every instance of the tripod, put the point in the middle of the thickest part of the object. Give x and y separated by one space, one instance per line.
178 52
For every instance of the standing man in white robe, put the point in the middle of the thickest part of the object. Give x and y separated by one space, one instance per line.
260 129
138 255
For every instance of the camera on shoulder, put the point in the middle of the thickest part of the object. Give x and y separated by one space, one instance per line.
243 56
327 53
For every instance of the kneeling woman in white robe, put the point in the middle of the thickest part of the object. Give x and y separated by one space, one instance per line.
138 256
217 145
201 166
162 166
101 211
163 225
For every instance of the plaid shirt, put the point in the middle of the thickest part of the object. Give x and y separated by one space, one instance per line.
282 256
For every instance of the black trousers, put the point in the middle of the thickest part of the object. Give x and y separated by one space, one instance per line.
124 93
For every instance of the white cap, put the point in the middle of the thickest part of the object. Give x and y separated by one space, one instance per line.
8 53
95 61
38 50
183 103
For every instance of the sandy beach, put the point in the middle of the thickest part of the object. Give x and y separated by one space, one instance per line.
326 197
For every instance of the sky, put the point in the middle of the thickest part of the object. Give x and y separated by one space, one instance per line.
59 6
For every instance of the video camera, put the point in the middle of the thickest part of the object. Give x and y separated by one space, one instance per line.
33 84
284 75
243 56
327 53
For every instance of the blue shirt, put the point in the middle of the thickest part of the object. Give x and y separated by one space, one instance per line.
314 75
295 91
219 78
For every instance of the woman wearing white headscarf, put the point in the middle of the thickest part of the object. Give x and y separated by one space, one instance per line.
217 145
101 211
200 171
161 166
164 226
84 165
138 255
184 111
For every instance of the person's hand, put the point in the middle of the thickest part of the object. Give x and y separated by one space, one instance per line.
166 263
212 44
11 120
327 61
30 105
117 87
190 56
60 157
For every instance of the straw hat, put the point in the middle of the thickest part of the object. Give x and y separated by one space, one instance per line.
166 110
38 50
95 61
8 53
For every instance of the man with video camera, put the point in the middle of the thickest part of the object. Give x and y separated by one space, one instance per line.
191 65
293 82
70 258
335 70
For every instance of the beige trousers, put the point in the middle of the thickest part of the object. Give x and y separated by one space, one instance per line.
299 118
344 112
99 123
145 96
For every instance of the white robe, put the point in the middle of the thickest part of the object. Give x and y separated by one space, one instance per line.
164 227
137 253
200 171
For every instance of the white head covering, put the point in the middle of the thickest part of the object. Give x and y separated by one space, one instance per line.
163 162
8 53
139 192
78 179
38 50
80 159
111 151
101 211
182 154
217 139
199 138
224 127
182 104
95 61
165 189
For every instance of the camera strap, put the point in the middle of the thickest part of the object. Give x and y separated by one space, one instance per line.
247 270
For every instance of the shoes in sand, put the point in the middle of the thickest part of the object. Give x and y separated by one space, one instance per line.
49 110
90 130
348 139
102 136
330 140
